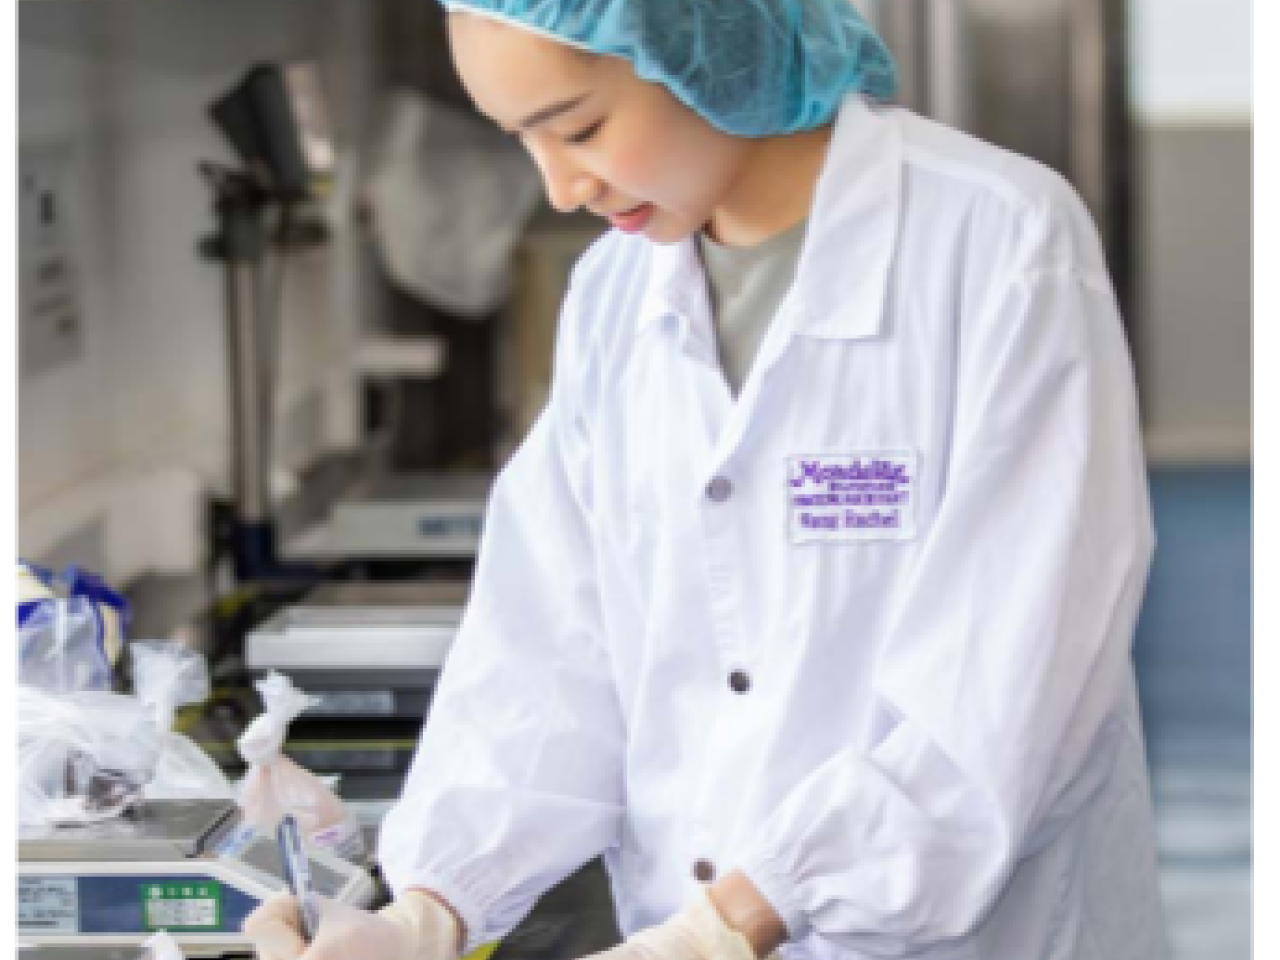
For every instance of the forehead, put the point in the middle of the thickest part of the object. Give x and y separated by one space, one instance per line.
507 69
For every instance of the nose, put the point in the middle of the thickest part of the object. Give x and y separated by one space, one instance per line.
567 186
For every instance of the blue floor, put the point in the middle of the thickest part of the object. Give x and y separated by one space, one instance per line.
1194 661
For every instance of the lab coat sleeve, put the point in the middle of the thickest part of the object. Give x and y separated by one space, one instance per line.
999 686
517 777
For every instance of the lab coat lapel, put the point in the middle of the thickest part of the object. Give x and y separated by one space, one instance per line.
841 280
842 277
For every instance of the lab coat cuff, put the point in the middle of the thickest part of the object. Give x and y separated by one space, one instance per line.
465 900
769 877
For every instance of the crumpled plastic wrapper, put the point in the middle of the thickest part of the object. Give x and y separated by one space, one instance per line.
83 757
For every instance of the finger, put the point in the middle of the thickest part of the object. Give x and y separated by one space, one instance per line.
277 941
274 929
279 906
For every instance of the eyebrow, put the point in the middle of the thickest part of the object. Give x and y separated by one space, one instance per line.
554 110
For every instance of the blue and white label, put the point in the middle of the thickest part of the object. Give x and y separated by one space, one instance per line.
853 497
48 905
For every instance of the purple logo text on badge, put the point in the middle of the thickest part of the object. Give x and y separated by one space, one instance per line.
855 497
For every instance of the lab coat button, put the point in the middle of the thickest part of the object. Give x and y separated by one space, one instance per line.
704 871
720 489
739 681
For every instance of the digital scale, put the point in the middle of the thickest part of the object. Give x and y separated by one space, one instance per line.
189 867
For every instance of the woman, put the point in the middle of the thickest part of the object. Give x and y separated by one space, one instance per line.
808 601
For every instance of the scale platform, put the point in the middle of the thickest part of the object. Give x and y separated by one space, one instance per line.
185 866
365 649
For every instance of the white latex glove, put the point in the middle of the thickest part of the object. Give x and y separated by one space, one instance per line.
695 933
414 927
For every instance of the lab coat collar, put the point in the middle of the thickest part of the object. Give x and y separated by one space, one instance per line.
842 277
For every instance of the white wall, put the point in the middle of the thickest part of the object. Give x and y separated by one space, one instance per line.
1192 61
117 444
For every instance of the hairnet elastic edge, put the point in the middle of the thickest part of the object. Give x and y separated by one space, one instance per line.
458 6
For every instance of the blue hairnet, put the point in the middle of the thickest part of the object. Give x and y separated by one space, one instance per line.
749 67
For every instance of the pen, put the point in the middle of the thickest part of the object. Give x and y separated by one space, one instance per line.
297 873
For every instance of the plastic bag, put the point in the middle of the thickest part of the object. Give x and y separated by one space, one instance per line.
161 947
70 629
450 198
59 648
276 785
83 756
167 676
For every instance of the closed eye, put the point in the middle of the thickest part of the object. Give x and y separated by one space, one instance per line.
585 135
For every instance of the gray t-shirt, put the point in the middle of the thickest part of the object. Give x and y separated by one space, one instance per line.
746 286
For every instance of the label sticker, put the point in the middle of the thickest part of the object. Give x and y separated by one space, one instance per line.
344 838
196 905
48 905
853 497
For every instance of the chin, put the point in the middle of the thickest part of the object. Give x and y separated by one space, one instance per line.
666 229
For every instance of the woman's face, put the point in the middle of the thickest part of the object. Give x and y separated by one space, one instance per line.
602 138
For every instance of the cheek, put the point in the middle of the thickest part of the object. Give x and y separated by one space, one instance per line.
640 166
684 171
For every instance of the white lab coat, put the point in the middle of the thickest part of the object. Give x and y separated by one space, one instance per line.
863 633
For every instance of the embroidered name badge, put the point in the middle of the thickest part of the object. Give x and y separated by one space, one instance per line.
862 496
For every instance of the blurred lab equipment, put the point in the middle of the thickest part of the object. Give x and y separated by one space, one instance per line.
186 866
271 118
262 118
371 654
126 827
372 666
449 197
402 514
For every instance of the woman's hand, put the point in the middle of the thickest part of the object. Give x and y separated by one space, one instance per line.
729 921
417 926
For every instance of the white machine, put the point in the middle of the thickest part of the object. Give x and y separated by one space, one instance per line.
365 649
401 516
185 866
371 653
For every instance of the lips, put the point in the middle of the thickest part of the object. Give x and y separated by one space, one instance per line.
633 220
